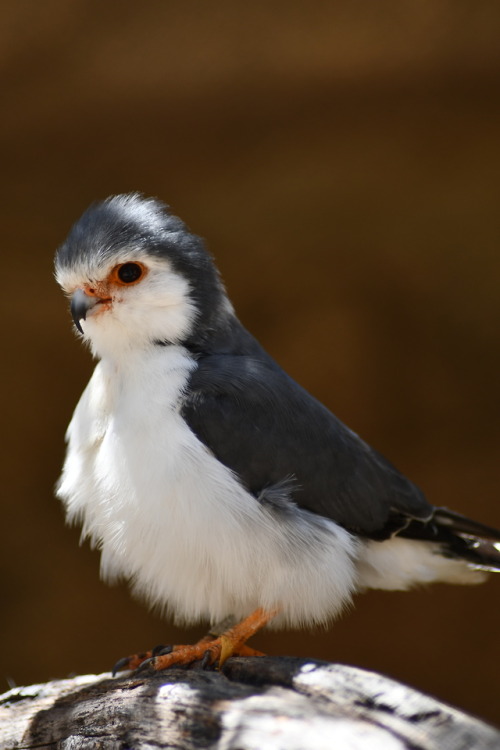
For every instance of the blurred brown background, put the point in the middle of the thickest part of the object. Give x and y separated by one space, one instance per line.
343 162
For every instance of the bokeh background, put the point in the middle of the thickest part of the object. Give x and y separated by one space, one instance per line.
343 162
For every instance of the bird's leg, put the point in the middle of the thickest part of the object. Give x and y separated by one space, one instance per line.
231 642
215 633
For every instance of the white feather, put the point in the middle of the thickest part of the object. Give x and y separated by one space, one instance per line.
399 564
176 522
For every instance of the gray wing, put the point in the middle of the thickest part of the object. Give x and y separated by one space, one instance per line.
267 429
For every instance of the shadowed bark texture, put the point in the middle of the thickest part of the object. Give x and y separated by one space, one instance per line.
254 704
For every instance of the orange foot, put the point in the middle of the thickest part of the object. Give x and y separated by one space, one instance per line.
232 642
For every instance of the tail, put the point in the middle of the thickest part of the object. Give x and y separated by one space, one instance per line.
460 538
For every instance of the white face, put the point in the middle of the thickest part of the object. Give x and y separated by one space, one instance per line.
147 303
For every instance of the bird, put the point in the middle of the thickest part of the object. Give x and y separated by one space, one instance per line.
210 480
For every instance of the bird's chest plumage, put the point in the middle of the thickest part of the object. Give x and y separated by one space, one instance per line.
170 517
134 469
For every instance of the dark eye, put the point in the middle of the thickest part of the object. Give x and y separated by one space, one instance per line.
129 272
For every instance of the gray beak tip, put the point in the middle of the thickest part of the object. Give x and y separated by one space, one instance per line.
81 303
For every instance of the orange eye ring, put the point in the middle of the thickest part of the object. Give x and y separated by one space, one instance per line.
127 274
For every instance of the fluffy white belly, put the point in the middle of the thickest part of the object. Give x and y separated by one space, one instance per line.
177 523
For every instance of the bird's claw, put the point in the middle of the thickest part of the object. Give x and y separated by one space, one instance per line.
146 666
121 665
209 652
207 660
135 662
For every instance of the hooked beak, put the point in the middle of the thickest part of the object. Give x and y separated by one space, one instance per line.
81 303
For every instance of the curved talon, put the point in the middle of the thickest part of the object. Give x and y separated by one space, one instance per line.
146 665
206 661
161 649
121 665
129 663
135 662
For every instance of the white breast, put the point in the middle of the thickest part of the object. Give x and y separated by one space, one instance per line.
176 522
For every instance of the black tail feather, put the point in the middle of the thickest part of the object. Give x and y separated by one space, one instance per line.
460 537
463 525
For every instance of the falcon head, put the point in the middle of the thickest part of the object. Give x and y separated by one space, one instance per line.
136 276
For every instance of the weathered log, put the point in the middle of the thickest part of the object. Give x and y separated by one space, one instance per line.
253 704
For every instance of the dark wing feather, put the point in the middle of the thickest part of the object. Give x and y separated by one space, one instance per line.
262 425
459 536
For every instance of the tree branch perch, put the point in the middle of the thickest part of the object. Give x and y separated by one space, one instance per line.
253 704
